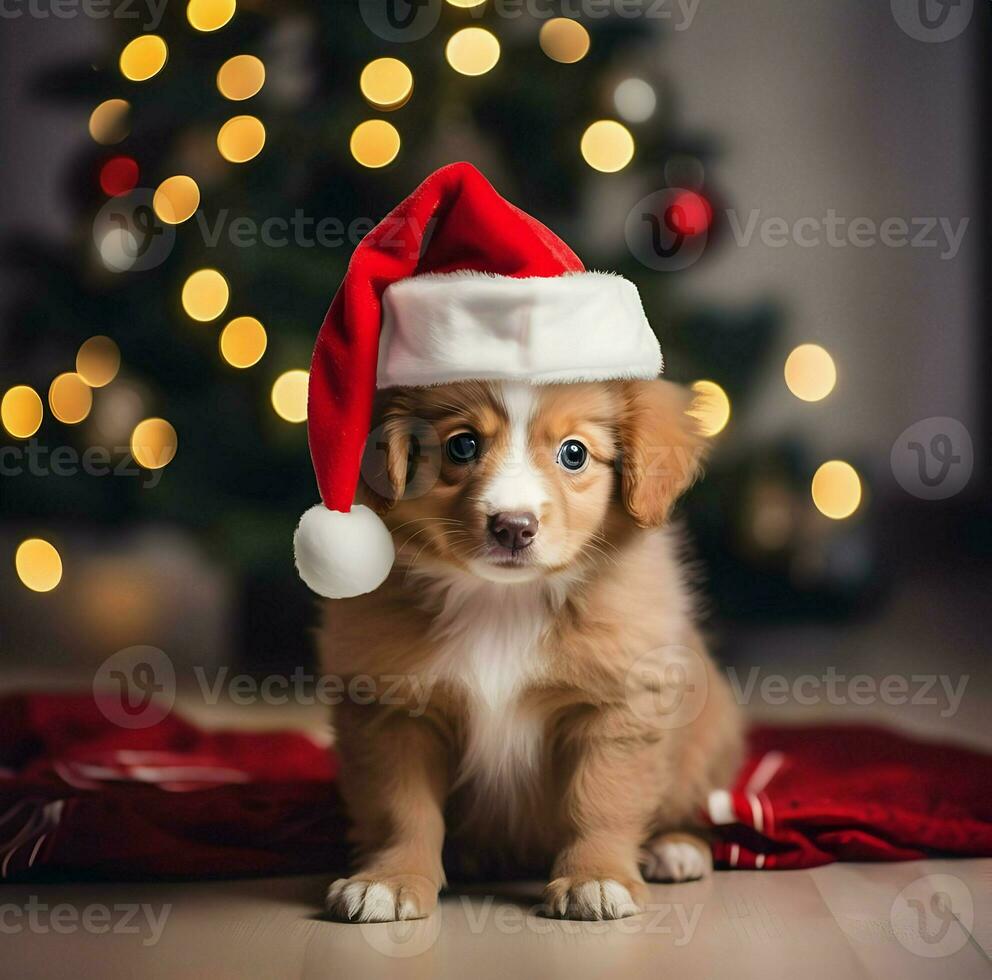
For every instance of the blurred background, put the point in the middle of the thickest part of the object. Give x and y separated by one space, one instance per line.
799 190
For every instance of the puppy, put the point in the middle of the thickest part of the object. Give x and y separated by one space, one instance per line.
536 690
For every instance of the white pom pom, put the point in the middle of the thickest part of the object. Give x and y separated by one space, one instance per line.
342 555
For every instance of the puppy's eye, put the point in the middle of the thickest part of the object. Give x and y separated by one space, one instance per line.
573 456
462 448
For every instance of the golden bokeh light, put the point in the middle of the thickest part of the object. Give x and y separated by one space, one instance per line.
386 83
836 489
21 411
38 564
70 398
241 139
153 443
98 361
241 77
607 146
209 15
176 199
375 143
143 58
205 295
243 342
110 121
810 372
289 395
710 407
564 40
472 51
466 4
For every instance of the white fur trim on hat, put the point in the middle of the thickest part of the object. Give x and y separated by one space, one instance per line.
461 326
343 555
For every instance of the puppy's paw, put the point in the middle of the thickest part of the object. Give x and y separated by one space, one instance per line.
675 857
594 898
369 898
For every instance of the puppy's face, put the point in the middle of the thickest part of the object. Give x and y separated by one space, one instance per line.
513 481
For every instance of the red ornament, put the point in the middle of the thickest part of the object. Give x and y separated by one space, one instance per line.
690 213
118 176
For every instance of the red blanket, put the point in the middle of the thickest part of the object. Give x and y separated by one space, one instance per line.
81 797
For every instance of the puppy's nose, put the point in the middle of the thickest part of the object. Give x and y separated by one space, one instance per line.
514 531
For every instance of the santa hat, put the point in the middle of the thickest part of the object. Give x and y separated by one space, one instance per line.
455 284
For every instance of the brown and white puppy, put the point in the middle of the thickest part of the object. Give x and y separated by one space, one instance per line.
543 698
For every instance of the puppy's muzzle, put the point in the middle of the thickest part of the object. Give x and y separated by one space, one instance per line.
513 531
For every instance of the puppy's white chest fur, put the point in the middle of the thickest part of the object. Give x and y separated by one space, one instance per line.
489 649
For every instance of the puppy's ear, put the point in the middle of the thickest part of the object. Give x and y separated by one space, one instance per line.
386 459
663 449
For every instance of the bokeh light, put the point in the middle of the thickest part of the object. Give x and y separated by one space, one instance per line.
386 83
241 139
690 213
98 361
21 411
289 395
119 175
564 40
119 249
153 443
607 146
466 4
472 51
144 58
209 15
241 77
635 100
375 143
205 295
38 564
836 489
810 372
110 121
243 342
176 199
710 407
70 398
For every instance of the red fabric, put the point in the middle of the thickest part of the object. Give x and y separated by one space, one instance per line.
81 797
454 220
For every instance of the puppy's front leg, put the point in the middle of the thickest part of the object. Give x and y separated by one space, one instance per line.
395 779
596 874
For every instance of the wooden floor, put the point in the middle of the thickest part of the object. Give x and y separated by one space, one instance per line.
843 921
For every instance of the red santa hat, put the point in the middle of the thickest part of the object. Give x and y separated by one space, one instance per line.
455 284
